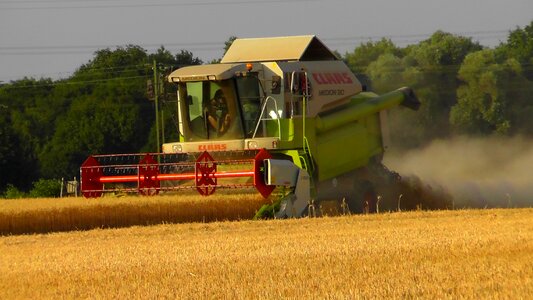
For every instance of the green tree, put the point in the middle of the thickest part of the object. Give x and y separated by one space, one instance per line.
46 188
9 149
29 121
367 53
94 125
12 192
171 62
186 58
429 67
163 56
519 45
386 73
109 113
494 97
434 64
121 62
48 128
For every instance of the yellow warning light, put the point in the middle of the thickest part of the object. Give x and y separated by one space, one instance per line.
249 67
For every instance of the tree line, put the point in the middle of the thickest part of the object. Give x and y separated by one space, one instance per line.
49 127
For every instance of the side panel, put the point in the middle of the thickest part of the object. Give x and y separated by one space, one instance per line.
348 147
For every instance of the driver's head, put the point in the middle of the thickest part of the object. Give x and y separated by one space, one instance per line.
219 97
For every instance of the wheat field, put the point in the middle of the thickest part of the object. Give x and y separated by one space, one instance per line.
22 216
440 254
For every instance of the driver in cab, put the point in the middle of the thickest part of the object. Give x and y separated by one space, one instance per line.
217 113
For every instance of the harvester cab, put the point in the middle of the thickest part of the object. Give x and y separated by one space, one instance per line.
274 112
262 91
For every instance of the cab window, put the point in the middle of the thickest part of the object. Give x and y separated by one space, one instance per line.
209 111
249 94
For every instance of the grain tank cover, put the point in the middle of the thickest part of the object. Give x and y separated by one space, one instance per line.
291 48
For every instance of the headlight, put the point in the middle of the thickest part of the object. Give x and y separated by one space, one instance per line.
177 148
252 145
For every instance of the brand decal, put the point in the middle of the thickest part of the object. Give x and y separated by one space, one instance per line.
332 78
212 147
331 92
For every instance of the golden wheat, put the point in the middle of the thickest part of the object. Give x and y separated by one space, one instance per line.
65 214
442 254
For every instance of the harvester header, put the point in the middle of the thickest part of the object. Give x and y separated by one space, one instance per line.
290 97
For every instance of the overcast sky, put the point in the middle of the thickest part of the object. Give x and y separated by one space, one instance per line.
52 38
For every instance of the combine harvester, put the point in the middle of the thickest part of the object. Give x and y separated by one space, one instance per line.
276 112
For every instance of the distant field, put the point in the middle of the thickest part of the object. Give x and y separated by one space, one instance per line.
19 216
440 254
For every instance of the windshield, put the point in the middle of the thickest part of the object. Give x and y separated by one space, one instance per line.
210 110
249 94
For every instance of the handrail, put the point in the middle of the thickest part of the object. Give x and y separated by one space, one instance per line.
263 111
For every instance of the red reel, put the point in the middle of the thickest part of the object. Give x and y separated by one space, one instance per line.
148 185
206 167
91 172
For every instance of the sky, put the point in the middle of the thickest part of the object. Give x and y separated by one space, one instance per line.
52 38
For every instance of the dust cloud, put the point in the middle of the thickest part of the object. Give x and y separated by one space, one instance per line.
475 172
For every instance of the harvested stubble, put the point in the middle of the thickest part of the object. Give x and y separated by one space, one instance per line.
50 215
441 254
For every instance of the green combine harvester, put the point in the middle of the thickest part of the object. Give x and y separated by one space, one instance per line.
279 113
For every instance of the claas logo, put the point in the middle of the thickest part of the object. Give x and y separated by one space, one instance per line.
213 147
332 78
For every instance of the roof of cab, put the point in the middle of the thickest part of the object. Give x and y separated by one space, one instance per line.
203 72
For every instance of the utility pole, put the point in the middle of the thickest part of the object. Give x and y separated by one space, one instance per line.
156 98
163 124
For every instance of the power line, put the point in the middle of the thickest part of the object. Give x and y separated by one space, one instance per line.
89 49
44 51
423 70
56 1
98 71
404 41
67 82
417 35
138 5
209 46
196 44
415 38
138 67
130 1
